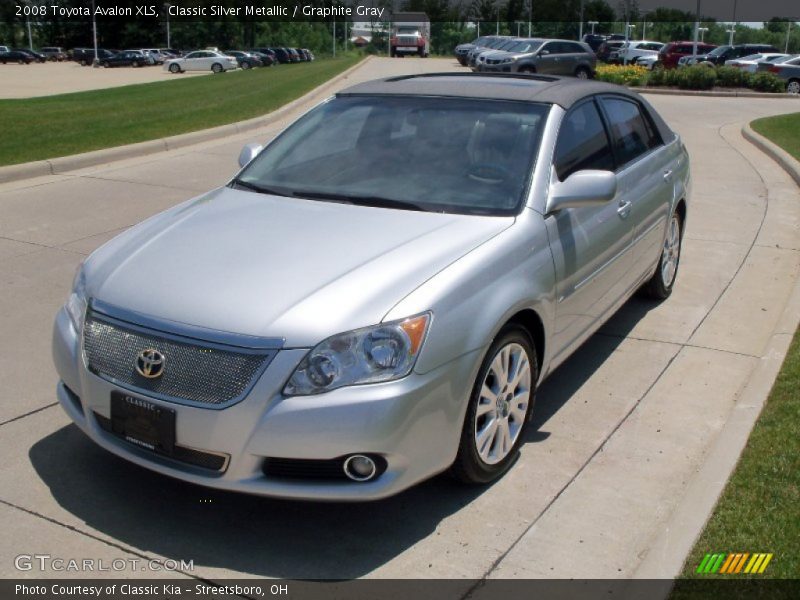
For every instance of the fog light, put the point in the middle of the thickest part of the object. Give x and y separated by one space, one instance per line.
360 468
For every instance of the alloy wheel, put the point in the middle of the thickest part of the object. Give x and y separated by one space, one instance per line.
672 252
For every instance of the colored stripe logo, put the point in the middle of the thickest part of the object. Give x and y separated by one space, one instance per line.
734 563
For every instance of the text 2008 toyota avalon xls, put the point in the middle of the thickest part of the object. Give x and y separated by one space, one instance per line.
376 295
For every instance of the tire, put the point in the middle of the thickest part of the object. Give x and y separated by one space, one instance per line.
217 68
421 52
583 73
106 65
793 87
245 65
527 70
509 409
21 61
136 64
393 52
174 68
660 285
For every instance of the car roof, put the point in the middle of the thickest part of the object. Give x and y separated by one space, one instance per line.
563 91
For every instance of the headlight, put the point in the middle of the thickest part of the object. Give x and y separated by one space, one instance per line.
510 59
370 355
76 304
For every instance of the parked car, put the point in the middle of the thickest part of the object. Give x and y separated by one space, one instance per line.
399 316
85 56
293 54
594 40
750 63
267 60
548 57
35 56
672 52
789 71
126 58
606 48
308 54
629 52
721 54
281 55
201 60
649 62
4 49
54 53
500 47
490 43
15 56
245 60
462 50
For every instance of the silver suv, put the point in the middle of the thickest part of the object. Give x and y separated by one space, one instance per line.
550 57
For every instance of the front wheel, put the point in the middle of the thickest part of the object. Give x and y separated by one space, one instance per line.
660 285
245 65
174 68
793 87
499 407
216 68
527 70
583 73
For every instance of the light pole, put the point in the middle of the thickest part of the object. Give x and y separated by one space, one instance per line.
28 25
788 31
696 28
498 21
94 35
530 18
334 37
732 30
593 23
519 23
702 31
167 6
580 27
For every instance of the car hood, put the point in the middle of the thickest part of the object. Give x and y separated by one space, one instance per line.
267 266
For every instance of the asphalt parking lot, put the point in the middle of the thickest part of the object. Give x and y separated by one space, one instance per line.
618 433
47 79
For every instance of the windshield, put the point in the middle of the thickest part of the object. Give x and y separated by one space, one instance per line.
719 50
464 156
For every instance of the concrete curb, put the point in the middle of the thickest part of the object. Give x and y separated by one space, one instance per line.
56 166
787 162
672 92
667 553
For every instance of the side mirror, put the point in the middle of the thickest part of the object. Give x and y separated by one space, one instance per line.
248 153
544 52
582 188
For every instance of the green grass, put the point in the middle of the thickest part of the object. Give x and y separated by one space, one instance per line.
40 128
784 130
759 511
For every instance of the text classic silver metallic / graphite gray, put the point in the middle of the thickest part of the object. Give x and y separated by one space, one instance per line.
376 295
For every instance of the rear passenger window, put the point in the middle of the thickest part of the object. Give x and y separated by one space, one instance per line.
631 131
582 142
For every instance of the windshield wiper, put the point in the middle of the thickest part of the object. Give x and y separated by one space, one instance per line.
254 187
376 201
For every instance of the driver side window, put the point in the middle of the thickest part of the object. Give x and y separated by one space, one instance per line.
582 142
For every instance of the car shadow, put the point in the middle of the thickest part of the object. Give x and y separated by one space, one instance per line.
267 537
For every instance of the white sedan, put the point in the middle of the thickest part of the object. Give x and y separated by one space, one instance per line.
750 62
201 60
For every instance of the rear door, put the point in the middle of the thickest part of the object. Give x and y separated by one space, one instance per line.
547 58
645 179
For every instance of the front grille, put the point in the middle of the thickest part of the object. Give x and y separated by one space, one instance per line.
407 40
296 468
189 456
194 371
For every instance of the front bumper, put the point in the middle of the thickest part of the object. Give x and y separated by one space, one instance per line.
414 424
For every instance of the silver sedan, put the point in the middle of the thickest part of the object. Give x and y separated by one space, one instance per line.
377 294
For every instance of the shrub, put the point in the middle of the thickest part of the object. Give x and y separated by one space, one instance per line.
732 77
696 77
767 82
632 76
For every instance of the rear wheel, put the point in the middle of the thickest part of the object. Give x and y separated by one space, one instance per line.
245 65
393 52
499 407
528 70
106 65
793 87
583 73
216 68
660 285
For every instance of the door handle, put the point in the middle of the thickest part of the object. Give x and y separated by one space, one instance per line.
624 209
667 175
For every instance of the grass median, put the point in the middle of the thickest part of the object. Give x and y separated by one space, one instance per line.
759 510
51 126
